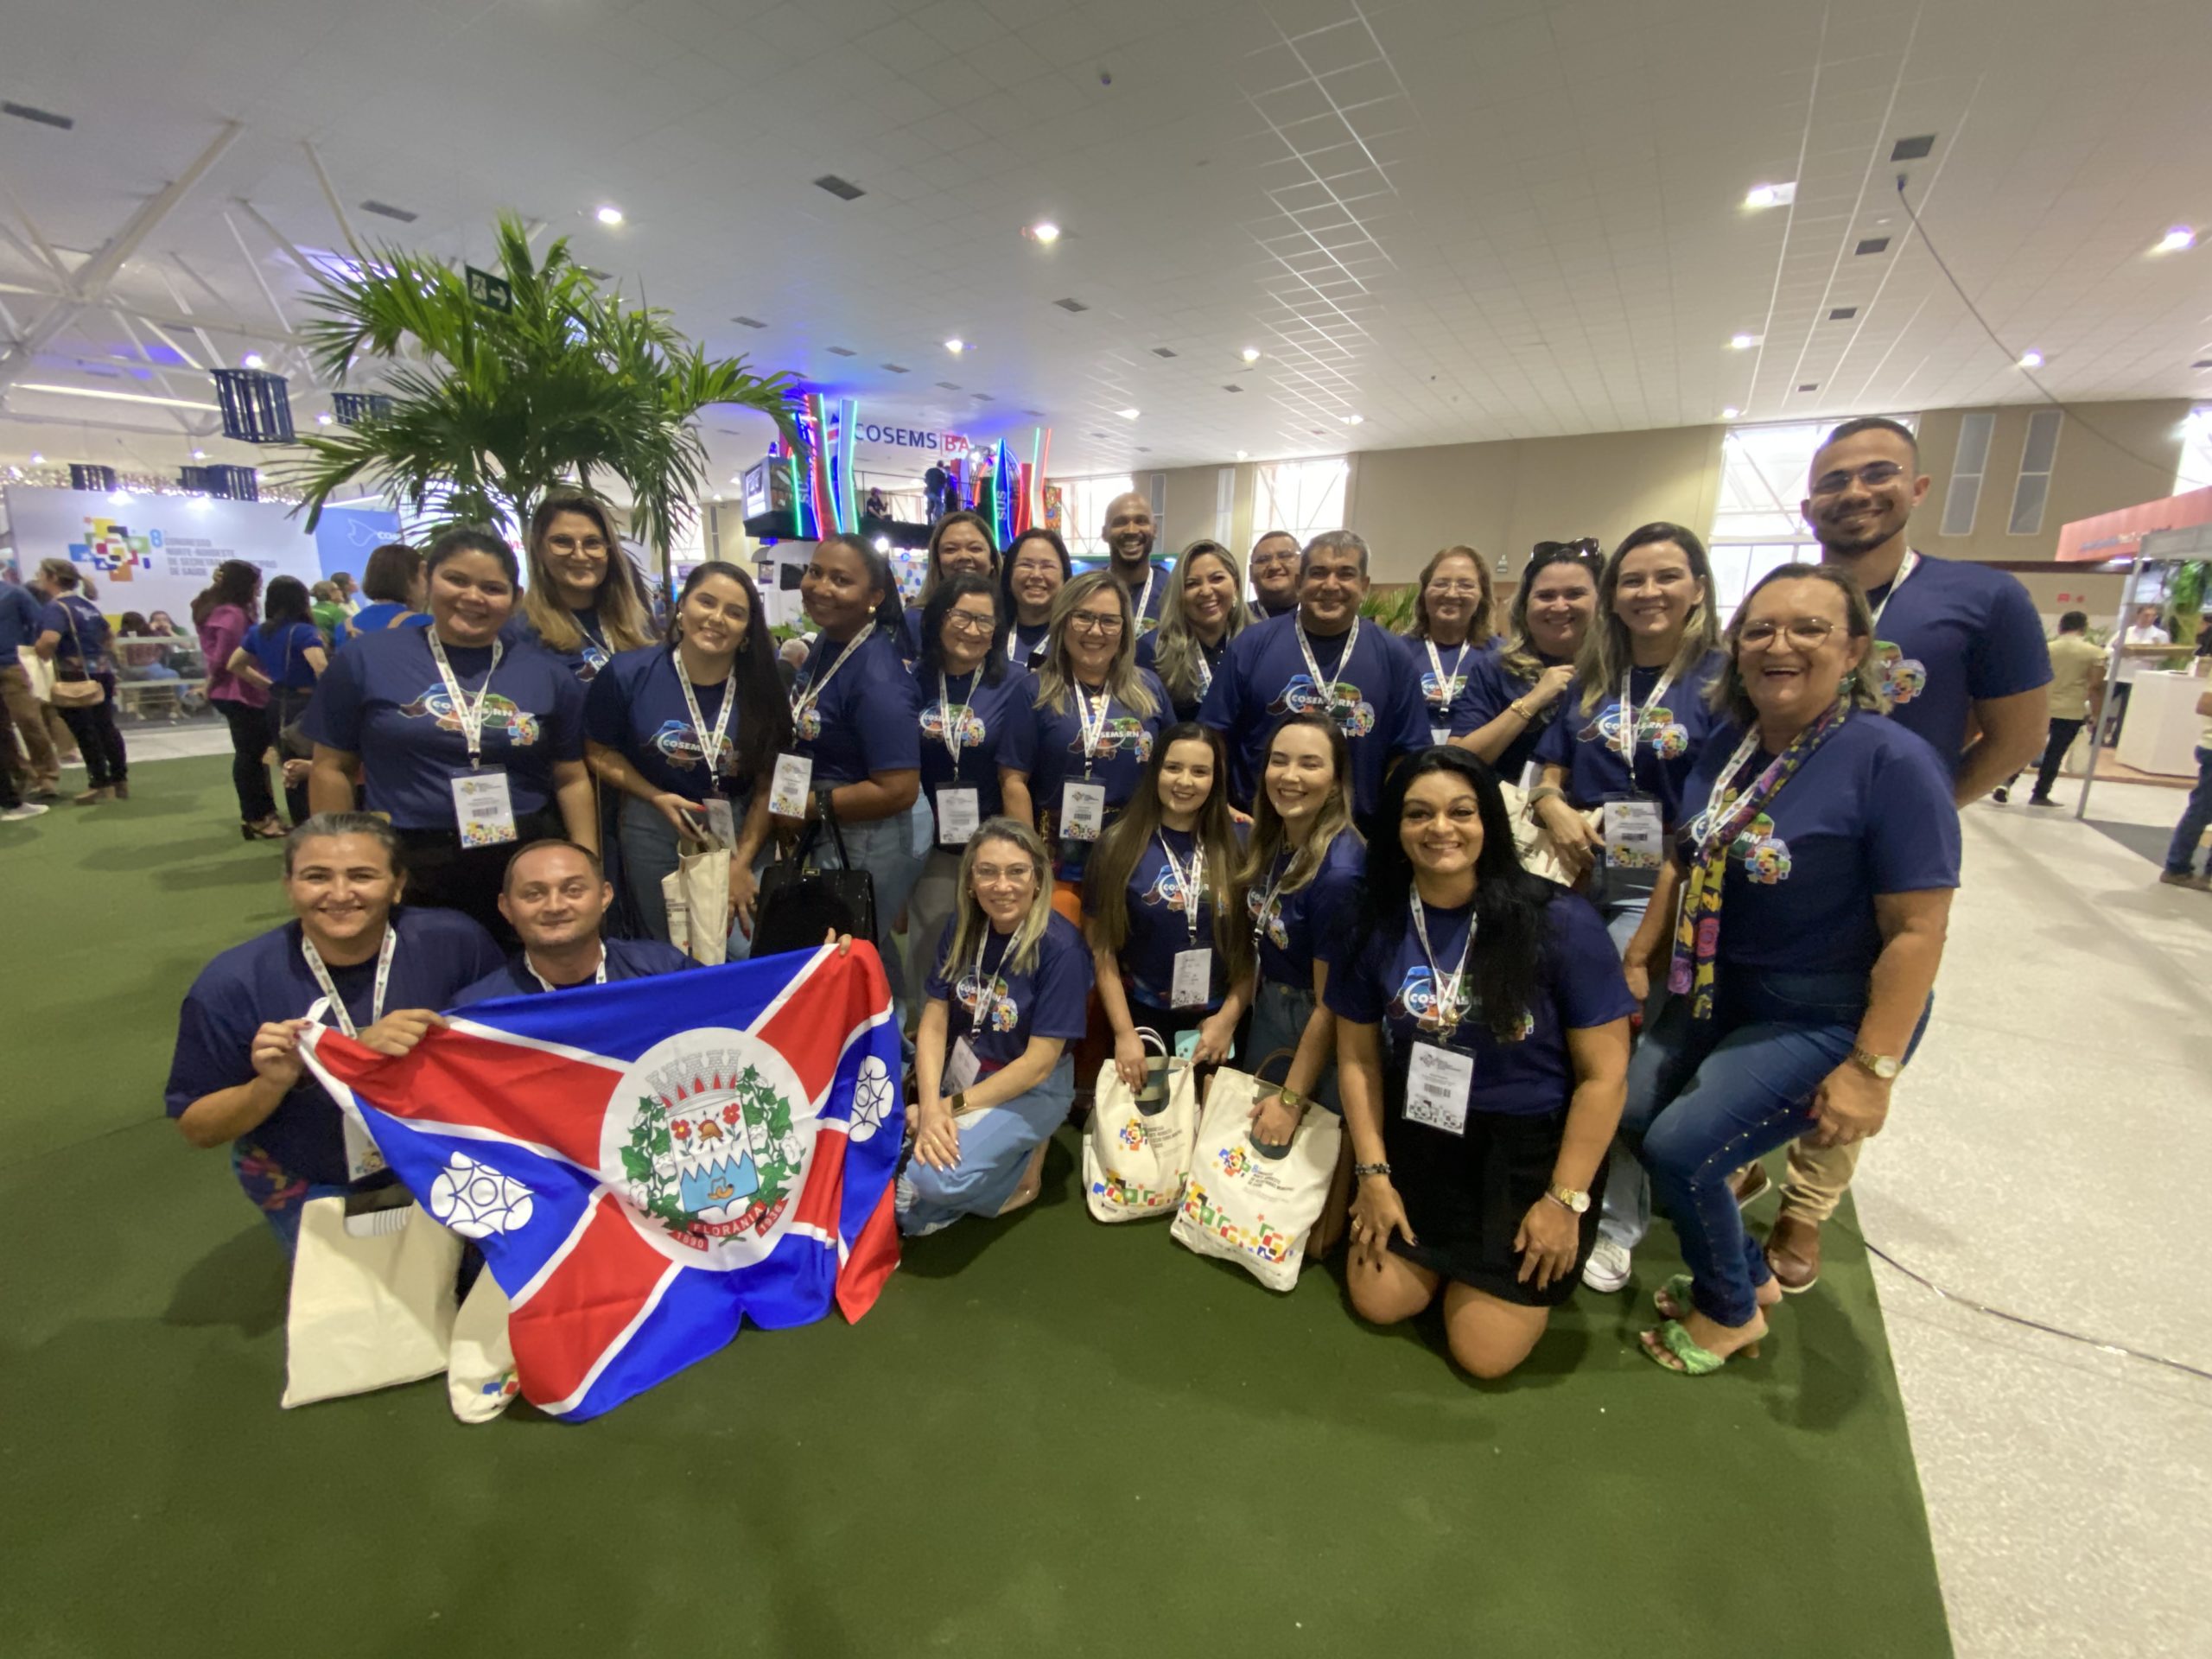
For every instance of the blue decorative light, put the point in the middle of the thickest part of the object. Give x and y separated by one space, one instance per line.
256 408
353 408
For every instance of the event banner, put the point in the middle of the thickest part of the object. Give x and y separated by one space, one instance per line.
151 553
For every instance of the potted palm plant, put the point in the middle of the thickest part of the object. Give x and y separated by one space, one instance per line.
490 406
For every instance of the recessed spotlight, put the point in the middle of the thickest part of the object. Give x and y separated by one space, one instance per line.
1730 413
955 345
1354 420
883 543
2031 360
1243 455
1771 196
1128 413
2179 240
323 419
1743 342
609 214
1043 231
252 359
197 454
38 460
1251 353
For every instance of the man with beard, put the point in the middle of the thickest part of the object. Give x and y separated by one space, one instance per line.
556 897
1273 567
1959 648
1129 536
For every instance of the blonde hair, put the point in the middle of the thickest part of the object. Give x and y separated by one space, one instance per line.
1124 681
969 925
66 576
622 614
1176 653
1333 819
1607 655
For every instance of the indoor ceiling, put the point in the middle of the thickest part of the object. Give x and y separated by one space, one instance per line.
1435 220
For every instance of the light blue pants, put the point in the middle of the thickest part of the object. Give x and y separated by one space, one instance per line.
1625 1213
649 852
1279 1016
994 1146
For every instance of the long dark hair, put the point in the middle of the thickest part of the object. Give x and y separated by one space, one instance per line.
236 581
1115 859
964 584
891 610
932 574
1509 932
763 713
288 601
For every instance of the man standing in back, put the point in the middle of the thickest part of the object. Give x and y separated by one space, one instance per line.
1274 573
1129 536
2077 685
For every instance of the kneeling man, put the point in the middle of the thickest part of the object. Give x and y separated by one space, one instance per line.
556 897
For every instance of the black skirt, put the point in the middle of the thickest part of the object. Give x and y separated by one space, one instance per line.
1465 1194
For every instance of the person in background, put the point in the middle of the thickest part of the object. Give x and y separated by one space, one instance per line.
329 614
1513 694
960 544
1450 633
1273 567
14 809
223 613
139 663
1128 533
647 718
1482 1034
1299 886
2144 631
283 657
28 756
583 602
352 956
791 657
2077 685
1098 719
992 1072
74 637
1802 915
347 596
1204 610
556 897
979 741
2181 870
1322 660
1159 905
468 745
1037 568
394 584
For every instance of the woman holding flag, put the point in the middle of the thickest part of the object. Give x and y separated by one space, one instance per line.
1814 881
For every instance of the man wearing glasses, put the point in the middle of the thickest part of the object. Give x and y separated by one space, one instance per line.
1273 565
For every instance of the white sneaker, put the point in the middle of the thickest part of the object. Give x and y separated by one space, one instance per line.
1607 1269
28 810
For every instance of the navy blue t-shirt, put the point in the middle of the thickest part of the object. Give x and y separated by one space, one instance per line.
1311 922
1956 634
866 721
910 634
1869 813
92 633
1444 702
592 654
1669 742
626 959
1149 658
1377 702
1579 985
1025 645
1125 745
1159 925
636 705
1051 1000
1491 687
384 615
19 614
267 978
381 698
1148 606
280 650
998 727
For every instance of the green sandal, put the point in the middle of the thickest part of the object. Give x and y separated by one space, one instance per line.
1673 1298
1694 1360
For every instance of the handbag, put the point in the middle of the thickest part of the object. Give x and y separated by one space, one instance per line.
83 691
372 1299
1136 1148
1538 852
798 903
696 895
1252 1205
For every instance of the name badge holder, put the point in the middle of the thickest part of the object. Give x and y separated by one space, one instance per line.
1190 982
1440 1081
1083 805
722 819
959 815
961 1068
363 1156
793 779
483 808
1634 834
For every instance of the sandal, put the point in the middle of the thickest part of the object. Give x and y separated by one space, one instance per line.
1687 1358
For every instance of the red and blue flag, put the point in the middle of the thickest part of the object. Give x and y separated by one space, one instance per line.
649 1163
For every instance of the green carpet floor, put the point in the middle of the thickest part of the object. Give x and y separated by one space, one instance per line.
1049 1437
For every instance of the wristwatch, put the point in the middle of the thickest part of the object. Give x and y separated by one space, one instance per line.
1883 1066
1361 1171
959 1101
1567 1199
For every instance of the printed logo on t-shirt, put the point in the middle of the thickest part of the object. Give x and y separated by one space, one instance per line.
1166 889
590 660
1763 854
1341 703
971 725
679 744
1006 1014
1121 735
1415 1000
808 725
500 714
1667 737
1904 677
1439 693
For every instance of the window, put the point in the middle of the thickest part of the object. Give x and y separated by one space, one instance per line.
1083 511
1303 496
1758 525
2196 472
1964 495
2037 456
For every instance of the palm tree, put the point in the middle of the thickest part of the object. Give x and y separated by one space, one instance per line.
491 409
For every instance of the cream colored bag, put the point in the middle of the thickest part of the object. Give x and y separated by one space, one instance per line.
1136 1148
480 1369
1531 840
1249 1204
372 1301
696 894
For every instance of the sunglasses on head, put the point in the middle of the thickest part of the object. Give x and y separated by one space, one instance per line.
1584 552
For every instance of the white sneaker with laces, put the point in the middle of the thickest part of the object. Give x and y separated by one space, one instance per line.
17 814
1607 1269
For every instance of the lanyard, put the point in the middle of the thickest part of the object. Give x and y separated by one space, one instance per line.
598 977
710 746
954 728
1448 685
1325 689
1717 808
584 628
329 990
1092 729
807 699
1205 671
1450 1003
1905 572
987 985
1625 744
1144 599
1272 897
1189 883
471 715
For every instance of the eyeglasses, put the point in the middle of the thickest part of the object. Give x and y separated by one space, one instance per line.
1090 622
1808 631
1457 589
570 544
1281 555
991 875
1873 476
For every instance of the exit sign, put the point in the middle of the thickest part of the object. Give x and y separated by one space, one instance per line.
489 291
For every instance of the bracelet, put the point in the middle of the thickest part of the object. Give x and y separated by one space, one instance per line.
1292 1098
1545 792
1526 715
1361 1171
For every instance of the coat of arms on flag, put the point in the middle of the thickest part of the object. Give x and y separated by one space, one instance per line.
648 1164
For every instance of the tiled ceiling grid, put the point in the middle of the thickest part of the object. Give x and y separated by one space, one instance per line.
1453 220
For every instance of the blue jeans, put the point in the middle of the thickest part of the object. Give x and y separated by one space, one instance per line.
995 1148
1705 1096
1279 1016
650 851
2181 855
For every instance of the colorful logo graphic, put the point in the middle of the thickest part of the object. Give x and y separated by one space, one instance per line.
1121 735
710 1148
1416 1000
1235 1160
1904 677
1168 889
1441 693
1267 917
1006 1013
1668 737
679 744
500 714
1765 855
971 725
111 549
1341 703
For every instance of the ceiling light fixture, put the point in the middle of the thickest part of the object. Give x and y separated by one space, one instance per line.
609 214
323 419
1251 353
1129 414
1043 231
2179 240
1743 342
1771 196
2031 360
1730 413
1243 455
1354 420
200 454
252 359
113 396
37 460
955 345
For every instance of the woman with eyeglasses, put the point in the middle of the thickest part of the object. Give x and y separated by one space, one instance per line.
1203 611
1482 1032
1634 716
1450 633
584 603
1513 694
979 740
1800 914
1037 568
993 1077
960 545
1098 717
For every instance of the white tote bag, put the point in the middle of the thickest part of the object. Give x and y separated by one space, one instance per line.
1531 840
1136 1149
480 1369
1245 1203
372 1301
696 894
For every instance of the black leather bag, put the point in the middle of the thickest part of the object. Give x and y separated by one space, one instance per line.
798 904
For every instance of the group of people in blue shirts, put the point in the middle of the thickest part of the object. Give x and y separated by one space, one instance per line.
1437 882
